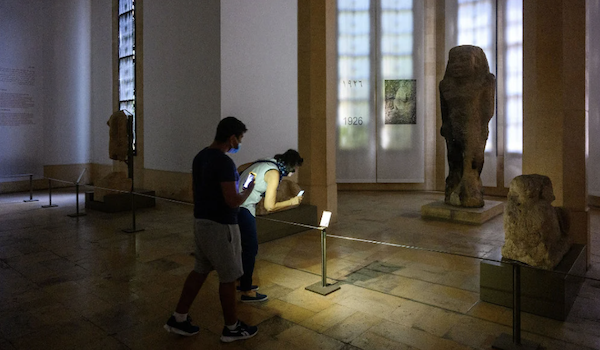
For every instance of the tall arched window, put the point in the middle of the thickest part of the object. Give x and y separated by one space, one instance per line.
512 88
380 91
126 40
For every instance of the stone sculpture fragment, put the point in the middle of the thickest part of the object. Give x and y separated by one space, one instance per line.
536 233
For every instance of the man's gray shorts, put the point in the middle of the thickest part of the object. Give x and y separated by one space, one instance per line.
218 247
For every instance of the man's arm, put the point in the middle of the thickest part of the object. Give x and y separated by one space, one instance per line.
233 198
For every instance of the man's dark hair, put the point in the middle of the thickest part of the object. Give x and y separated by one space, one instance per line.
229 126
291 158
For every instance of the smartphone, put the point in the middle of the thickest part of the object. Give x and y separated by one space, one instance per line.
249 179
301 193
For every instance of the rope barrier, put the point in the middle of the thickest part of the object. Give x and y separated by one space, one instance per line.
362 240
14 175
290 223
30 185
512 262
59 180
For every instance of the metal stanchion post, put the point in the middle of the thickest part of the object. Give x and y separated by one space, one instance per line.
133 229
50 205
30 190
77 214
516 304
322 287
323 258
131 170
133 211
505 341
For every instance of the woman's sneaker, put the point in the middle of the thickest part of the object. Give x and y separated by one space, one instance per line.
242 331
182 328
257 298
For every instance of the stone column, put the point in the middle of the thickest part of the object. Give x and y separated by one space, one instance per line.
317 102
440 67
554 92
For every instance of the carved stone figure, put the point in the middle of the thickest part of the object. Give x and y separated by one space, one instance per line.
118 144
118 148
536 233
467 104
401 101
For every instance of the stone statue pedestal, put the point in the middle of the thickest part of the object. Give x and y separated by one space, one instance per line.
544 293
269 230
118 202
475 216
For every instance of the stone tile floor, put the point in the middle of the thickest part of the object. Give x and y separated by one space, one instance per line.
84 283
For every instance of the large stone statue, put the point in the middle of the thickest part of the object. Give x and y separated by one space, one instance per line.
535 232
467 102
118 148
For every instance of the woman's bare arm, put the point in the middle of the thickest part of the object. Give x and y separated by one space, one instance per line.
271 204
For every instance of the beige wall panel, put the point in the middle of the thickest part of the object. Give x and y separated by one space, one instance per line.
169 184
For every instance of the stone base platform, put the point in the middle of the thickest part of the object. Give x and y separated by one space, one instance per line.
475 216
544 293
269 230
118 202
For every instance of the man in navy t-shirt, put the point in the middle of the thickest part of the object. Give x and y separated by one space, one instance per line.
211 167
216 233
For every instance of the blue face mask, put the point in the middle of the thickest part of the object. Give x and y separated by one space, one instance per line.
236 149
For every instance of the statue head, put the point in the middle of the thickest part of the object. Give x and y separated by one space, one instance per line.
467 61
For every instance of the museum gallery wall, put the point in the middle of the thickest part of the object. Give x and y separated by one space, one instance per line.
380 85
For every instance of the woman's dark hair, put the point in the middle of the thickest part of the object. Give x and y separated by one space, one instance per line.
229 126
291 158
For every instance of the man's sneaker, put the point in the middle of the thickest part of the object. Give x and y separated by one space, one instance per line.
258 297
253 288
242 331
182 328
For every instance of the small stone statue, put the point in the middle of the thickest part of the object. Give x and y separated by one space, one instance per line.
467 103
118 144
535 232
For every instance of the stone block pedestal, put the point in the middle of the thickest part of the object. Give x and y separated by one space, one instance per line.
269 230
475 216
544 293
117 202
